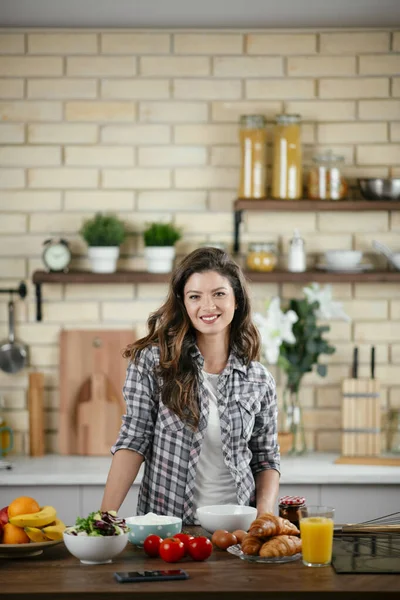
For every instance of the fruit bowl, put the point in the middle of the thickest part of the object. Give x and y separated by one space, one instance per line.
25 550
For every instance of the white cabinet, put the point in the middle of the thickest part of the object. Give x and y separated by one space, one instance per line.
357 503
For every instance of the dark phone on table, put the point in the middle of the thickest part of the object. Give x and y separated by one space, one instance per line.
133 576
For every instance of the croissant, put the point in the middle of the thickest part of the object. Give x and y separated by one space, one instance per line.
251 545
268 525
281 545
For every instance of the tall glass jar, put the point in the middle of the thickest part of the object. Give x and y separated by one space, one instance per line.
253 148
325 180
287 160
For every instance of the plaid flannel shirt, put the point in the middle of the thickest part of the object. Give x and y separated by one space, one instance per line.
248 418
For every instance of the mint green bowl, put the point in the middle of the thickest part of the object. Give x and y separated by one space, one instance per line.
138 532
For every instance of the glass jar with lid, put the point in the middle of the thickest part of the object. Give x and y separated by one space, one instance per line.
287 159
289 508
262 256
325 179
253 150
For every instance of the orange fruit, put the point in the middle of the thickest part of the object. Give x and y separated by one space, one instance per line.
14 535
23 505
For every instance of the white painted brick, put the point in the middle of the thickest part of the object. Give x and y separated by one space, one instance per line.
40 333
335 375
360 87
30 111
101 66
13 223
12 267
395 132
281 43
205 134
379 154
323 110
99 156
12 178
366 310
383 110
395 221
14 399
62 88
206 178
203 222
395 310
220 200
225 156
192 66
131 89
231 111
395 353
396 86
279 222
135 134
119 311
367 221
12 43
321 65
70 312
377 332
208 43
152 290
11 88
21 245
353 172
246 66
258 89
55 222
29 156
99 200
135 43
354 42
172 156
30 66
364 241
62 133
11 134
396 41
207 89
310 151
156 179
318 243
98 292
388 64
172 200
44 356
344 352
388 373
173 112
327 441
62 178
62 43
371 290
336 133
100 111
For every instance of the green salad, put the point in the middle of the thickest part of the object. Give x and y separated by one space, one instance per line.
99 523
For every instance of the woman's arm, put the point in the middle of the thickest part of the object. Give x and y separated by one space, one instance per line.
123 471
267 489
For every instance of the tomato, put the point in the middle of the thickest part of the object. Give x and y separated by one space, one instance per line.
200 548
151 545
223 539
185 538
172 550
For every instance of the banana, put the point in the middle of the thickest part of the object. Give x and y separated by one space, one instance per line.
43 517
35 534
54 531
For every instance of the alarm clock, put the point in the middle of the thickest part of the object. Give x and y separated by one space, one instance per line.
56 255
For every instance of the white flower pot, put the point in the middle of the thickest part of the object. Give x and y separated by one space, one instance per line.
103 259
160 259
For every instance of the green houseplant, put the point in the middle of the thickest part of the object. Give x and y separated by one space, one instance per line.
159 241
103 233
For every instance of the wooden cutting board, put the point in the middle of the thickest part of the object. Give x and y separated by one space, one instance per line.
85 354
36 414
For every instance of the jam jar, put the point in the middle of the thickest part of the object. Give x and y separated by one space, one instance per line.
262 256
289 508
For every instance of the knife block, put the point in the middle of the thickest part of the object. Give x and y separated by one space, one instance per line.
361 417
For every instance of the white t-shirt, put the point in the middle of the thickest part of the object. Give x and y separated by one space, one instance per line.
214 483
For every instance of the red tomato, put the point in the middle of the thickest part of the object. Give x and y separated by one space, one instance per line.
151 545
200 548
185 538
172 550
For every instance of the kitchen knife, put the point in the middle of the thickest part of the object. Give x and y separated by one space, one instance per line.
373 362
355 363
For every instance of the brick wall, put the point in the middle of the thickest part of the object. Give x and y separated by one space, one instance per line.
145 123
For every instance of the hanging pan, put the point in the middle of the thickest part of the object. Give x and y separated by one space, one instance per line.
13 355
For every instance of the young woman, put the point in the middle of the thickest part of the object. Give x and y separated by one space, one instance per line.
201 411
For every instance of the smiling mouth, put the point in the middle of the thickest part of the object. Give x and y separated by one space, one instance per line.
210 319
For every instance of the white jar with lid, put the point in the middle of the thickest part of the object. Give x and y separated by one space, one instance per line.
297 254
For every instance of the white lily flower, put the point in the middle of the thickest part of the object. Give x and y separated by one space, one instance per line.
328 308
275 328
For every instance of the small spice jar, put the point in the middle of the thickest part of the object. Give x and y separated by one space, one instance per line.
262 256
325 180
289 508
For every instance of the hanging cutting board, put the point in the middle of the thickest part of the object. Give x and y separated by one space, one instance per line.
36 414
84 354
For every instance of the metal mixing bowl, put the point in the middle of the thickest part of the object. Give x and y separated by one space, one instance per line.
379 189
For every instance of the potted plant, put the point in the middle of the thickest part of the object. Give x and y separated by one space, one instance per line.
103 234
159 241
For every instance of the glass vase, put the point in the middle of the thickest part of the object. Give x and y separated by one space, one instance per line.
293 420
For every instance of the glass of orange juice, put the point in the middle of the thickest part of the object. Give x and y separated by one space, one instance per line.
316 531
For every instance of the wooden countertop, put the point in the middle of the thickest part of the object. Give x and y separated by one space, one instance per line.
56 575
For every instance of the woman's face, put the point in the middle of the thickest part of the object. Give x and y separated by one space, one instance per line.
210 302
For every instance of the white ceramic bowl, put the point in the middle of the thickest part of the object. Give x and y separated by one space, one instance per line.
139 530
95 550
343 259
226 516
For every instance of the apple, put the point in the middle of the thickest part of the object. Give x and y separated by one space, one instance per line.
4 516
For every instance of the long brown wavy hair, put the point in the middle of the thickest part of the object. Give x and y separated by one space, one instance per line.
171 330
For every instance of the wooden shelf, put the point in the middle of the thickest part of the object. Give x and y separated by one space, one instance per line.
279 276
89 277
315 205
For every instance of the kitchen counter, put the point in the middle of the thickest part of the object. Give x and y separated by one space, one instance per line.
310 469
57 575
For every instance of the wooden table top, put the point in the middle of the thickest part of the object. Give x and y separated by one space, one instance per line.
56 574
